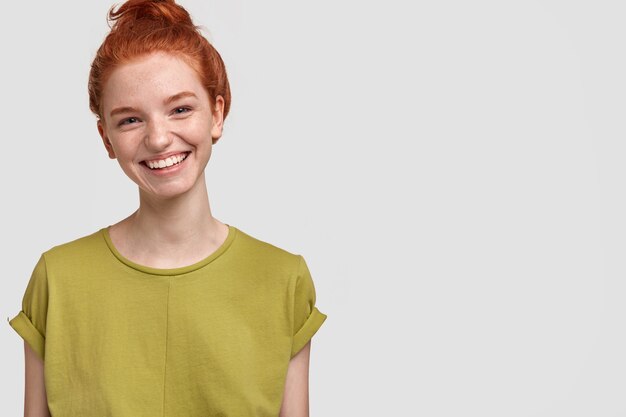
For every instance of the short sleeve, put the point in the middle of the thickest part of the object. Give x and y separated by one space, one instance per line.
307 318
30 323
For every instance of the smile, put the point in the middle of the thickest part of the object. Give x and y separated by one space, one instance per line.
167 162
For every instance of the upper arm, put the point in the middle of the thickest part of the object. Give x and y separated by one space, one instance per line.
35 399
296 395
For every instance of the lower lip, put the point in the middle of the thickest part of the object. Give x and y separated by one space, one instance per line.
161 172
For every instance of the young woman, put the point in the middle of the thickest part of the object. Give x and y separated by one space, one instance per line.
169 312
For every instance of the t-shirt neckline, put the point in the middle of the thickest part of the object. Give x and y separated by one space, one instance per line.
232 232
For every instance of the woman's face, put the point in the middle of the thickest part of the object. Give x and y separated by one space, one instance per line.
155 109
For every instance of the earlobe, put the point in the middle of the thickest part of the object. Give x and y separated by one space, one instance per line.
105 140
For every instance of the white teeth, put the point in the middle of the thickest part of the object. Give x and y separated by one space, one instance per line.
172 160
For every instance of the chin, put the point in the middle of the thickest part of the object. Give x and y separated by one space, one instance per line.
166 192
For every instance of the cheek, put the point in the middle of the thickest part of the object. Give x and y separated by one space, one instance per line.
197 130
125 146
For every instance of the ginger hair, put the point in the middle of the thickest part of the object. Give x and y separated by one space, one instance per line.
142 27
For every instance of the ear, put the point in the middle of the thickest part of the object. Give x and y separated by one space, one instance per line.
217 119
105 140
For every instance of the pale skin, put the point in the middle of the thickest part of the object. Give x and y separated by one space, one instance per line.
173 225
35 400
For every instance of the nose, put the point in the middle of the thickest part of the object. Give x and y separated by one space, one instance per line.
157 136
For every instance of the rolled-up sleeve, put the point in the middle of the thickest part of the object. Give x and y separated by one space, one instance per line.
307 318
30 322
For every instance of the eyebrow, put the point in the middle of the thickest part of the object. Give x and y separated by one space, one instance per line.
167 101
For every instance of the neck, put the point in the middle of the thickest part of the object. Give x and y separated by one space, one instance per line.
173 225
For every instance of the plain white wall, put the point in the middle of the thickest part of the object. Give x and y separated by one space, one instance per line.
452 172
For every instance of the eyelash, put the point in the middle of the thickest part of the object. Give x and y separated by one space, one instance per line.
188 109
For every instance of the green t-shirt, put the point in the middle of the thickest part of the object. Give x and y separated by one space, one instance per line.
121 339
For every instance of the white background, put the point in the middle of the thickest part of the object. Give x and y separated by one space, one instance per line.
452 171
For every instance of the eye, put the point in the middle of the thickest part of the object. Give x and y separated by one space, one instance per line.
181 110
128 120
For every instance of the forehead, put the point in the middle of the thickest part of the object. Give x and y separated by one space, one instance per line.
150 77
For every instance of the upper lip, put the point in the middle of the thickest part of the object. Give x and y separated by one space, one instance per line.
163 156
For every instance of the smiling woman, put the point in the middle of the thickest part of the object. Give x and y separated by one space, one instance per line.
169 311
165 119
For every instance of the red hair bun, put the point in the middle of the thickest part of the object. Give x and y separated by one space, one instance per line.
141 27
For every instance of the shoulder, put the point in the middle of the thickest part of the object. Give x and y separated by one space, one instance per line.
260 251
81 250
